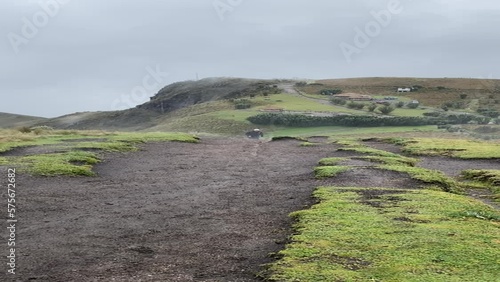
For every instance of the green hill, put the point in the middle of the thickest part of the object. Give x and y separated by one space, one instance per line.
209 105
430 91
164 106
13 120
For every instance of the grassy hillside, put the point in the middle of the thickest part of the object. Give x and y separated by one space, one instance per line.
209 105
13 120
172 98
432 91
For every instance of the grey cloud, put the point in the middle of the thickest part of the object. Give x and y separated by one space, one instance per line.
92 52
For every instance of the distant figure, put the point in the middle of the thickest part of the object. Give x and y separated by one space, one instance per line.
255 134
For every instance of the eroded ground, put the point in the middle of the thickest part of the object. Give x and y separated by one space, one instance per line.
171 212
212 211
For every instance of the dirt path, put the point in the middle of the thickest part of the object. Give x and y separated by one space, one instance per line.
172 212
212 211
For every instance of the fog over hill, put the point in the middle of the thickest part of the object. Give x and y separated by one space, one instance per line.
61 56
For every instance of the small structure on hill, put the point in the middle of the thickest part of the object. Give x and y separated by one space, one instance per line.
407 89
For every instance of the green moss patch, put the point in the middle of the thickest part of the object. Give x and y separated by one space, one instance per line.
329 171
358 234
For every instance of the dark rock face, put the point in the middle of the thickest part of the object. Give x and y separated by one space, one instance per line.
184 94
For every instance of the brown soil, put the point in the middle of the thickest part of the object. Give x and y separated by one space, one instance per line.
212 211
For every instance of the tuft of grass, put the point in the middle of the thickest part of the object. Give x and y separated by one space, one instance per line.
411 235
370 151
485 215
330 161
75 163
433 177
489 179
457 148
329 171
376 155
309 144
392 160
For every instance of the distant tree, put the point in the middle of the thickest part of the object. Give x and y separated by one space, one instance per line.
386 109
24 129
242 104
338 101
330 91
354 105
463 96
372 107
412 105
448 104
400 104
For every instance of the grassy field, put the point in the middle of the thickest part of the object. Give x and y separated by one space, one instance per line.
335 131
290 102
73 153
400 235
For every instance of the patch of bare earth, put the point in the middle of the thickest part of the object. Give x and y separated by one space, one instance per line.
172 212
61 147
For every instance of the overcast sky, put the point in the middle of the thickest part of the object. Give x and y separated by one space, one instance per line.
63 56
